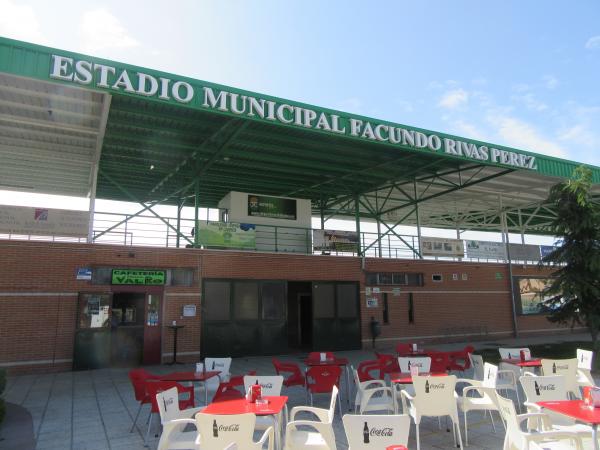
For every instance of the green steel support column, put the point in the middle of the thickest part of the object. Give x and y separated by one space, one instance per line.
179 207
418 219
322 217
513 297
378 224
357 218
196 206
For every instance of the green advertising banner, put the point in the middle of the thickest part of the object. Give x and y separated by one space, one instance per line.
229 235
137 276
272 207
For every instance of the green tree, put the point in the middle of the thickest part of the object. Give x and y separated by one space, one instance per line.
574 290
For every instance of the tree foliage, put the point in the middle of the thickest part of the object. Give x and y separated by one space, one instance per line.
574 291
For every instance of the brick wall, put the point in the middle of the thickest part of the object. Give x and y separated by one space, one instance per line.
38 295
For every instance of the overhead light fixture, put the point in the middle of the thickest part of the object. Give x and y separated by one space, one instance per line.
151 166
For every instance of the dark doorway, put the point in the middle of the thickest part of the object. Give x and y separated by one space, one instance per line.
127 329
299 321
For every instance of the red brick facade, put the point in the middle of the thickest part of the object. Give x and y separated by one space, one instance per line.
39 294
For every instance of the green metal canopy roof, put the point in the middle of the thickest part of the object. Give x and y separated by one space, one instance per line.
73 124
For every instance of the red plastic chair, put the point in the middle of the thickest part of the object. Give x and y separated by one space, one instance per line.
439 361
459 360
295 379
316 356
227 389
138 378
154 387
321 379
403 349
389 364
365 368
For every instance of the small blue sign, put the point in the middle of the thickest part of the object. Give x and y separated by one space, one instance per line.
84 273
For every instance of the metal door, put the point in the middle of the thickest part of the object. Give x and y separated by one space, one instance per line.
336 316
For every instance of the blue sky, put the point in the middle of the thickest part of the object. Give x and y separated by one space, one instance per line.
519 73
522 74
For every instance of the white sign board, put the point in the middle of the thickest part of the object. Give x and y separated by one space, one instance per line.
372 302
431 246
524 252
486 250
43 221
189 310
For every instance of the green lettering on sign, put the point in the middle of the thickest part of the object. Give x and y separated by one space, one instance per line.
136 276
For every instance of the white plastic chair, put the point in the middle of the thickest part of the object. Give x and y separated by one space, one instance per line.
549 389
477 365
584 367
372 395
221 364
174 421
368 432
219 431
486 401
545 438
507 379
322 438
514 353
422 362
270 386
565 367
434 397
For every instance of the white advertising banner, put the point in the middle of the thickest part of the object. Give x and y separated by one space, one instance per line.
431 246
524 252
486 250
43 221
345 241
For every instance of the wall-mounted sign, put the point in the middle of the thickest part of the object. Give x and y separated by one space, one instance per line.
545 250
272 207
368 290
431 246
227 234
524 252
372 302
43 221
376 290
499 276
530 294
189 310
99 74
84 273
395 292
486 250
344 241
138 276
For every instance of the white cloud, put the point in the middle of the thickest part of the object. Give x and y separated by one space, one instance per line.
470 130
551 82
579 134
593 43
19 22
352 104
454 99
100 30
530 102
519 134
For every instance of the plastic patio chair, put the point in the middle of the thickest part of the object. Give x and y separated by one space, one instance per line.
389 364
296 378
422 362
514 353
138 378
228 390
218 431
459 360
548 389
403 349
517 438
439 361
567 368
322 380
174 422
270 386
434 397
584 367
221 364
316 356
154 387
320 436
486 399
372 395
477 365
364 431
365 368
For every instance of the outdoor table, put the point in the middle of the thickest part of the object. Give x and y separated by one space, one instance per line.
175 329
192 377
333 362
241 406
578 410
415 353
534 362
406 378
